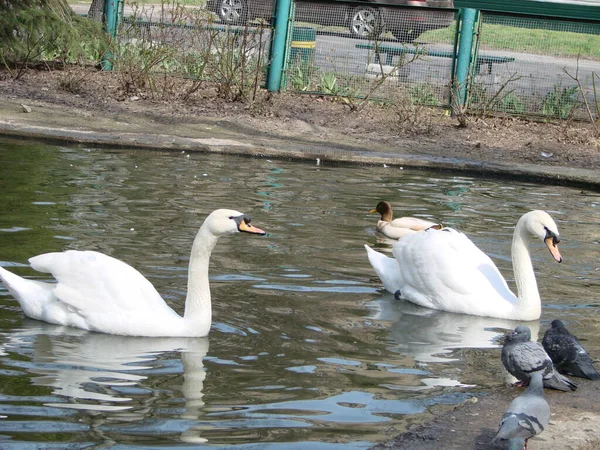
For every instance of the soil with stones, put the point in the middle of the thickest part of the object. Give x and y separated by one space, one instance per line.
402 126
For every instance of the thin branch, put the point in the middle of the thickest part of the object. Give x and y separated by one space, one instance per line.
581 90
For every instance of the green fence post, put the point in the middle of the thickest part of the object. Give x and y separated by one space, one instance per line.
465 50
111 19
278 44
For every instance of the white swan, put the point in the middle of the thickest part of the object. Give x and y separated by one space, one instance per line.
397 228
99 293
443 269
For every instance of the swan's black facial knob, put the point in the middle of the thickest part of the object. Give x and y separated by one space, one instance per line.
551 240
243 224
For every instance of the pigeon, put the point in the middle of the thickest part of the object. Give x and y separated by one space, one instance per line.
521 357
567 354
526 416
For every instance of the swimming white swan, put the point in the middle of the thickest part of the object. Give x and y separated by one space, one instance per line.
397 228
443 269
99 293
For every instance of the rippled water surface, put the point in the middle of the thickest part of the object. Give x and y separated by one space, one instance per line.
305 350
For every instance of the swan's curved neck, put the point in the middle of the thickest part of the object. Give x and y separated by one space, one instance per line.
197 303
528 302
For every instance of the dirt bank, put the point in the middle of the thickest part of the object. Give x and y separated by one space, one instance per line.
575 423
91 106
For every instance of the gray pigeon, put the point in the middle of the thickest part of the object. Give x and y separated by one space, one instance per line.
521 358
526 416
567 354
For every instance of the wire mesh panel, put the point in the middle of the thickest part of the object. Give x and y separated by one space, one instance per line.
373 50
194 43
240 12
523 65
550 68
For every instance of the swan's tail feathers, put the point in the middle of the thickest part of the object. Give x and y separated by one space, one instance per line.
14 283
31 295
386 269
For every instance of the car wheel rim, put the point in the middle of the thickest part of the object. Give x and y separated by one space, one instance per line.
364 23
231 10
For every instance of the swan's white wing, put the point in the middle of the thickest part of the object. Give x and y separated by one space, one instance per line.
94 283
479 260
443 269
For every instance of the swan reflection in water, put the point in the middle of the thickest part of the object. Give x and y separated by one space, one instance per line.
97 372
429 335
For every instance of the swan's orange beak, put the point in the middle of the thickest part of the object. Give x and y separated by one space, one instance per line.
551 244
247 228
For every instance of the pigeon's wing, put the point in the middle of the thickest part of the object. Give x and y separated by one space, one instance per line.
554 380
582 368
562 348
568 354
528 357
582 365
512 427
526 416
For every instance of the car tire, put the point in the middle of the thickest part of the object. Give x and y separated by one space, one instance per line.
232 12
365 22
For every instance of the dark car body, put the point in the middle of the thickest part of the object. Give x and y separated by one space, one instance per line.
364 20
406 24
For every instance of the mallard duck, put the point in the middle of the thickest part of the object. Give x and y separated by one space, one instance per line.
397 228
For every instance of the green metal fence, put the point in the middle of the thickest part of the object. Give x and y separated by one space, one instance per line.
554 72
519 64
376 64
528 65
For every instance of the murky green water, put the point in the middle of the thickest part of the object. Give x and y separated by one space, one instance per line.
305 351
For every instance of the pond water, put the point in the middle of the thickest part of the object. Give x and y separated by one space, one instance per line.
305 349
